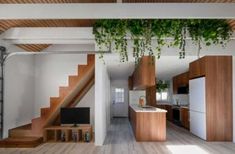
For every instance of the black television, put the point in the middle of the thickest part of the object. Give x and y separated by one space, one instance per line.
78 115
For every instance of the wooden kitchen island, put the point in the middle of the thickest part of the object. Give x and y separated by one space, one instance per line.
148 124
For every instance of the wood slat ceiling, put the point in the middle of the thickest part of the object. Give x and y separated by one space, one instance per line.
7 24
33 47
55 1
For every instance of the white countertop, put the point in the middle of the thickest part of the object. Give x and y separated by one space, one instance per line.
137 108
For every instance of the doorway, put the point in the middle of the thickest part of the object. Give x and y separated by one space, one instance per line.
119 104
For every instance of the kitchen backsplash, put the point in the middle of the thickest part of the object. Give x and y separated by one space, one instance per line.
183 99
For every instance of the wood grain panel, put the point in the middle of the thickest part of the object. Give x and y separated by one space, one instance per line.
55 1
179 81
33 47
7 24
219 111
197 68
144 74
184 117
149 126
151 96
218 73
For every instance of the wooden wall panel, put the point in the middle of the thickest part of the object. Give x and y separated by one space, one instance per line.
219 111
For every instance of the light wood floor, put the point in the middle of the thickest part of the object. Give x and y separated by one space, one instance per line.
120 140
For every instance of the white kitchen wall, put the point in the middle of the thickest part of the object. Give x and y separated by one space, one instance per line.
18 92
102 101
183 99
52 71
134 96
121 83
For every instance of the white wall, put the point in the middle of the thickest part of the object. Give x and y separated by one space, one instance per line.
19 91
89 101
102 101
52 71
123 109
30 81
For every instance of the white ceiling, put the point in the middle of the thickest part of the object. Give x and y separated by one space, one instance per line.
168 65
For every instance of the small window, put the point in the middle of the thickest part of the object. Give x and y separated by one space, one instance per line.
162 96
119 95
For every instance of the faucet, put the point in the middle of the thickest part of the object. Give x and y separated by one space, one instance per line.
177 102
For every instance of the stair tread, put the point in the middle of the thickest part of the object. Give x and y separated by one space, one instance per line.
22 139
22 142
24 127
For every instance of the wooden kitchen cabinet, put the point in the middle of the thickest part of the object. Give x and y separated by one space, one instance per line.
169 115
197 68
144 73
184 117
217 71
179 81
169 111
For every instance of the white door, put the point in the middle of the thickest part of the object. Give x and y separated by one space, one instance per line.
198 124
120 105
197 99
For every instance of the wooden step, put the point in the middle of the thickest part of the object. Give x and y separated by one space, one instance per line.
22 131
82 69
73 80
45 111
37 125
64 91
54 102
22 142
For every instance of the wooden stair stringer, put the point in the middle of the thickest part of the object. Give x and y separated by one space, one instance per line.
78 97
48 114
39 123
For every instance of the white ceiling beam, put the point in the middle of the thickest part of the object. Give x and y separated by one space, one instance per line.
51 35
118 10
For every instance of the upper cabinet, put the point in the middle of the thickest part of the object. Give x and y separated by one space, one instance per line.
144 74
197 68
180 83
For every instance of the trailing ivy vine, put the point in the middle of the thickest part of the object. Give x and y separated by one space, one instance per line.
149 36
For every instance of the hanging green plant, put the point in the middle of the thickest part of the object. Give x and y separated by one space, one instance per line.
162 85
113 34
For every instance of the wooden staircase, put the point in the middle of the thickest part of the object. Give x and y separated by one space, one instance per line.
69 96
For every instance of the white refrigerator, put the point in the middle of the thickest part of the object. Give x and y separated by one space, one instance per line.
197 107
